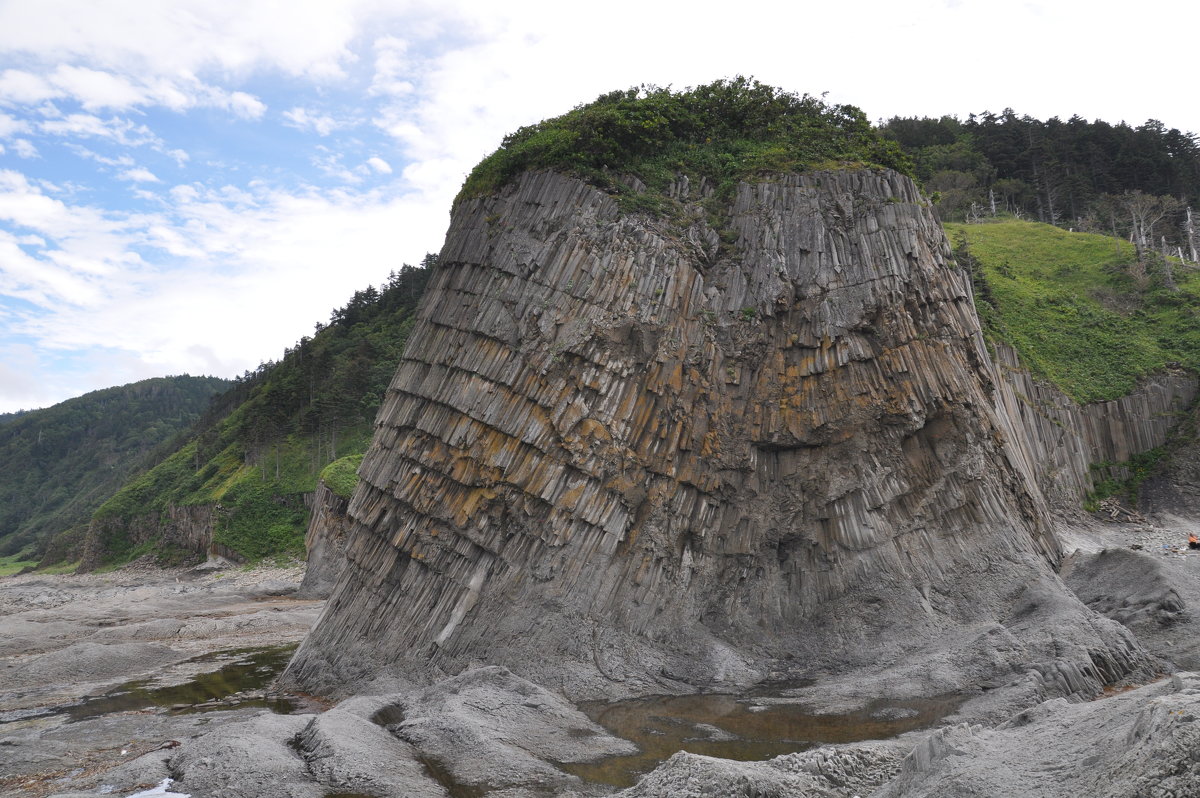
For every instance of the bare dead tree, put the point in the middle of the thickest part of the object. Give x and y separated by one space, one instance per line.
1189 230
1145 212
1168 274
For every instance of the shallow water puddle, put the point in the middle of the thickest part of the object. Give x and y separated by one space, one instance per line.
742 728
250 670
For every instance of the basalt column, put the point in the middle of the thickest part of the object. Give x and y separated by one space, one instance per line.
664 453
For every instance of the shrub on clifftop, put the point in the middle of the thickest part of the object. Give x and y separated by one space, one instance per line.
726 131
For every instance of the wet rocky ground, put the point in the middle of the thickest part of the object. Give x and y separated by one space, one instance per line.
98 669
114 683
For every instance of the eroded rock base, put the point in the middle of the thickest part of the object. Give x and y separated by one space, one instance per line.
488 732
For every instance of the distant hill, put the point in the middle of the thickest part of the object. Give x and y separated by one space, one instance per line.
240 479
57 465
5 418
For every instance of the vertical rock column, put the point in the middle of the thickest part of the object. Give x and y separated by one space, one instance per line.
621 452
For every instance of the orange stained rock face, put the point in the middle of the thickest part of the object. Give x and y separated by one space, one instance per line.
610 424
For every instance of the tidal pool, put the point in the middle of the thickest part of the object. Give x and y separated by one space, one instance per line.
248 670
739 727
251 669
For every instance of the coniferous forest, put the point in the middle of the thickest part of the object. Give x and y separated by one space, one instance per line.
60 463
1141 183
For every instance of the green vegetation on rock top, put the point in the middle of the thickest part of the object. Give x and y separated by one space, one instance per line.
341 476
1072 305
726 131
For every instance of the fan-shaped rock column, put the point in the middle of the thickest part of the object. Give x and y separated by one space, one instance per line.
625 454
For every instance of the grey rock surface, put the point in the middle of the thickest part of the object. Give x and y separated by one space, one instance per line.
831 771
66 637
1144 742
250 759
348 752
489 728
1154 595
687 775
620 458
89 663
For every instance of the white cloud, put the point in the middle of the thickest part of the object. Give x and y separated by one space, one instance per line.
41 281
84 152
246 106
139 175
88 245
18 86
302 119
24 148
331 166
22 381
182 194
10 125
94 89
307 38
116 129
393 67
228 248
379 165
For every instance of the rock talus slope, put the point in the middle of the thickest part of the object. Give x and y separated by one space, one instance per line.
627 455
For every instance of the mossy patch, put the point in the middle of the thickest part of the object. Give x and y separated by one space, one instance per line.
341 476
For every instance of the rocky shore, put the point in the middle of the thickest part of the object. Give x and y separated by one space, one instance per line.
68 639
68 642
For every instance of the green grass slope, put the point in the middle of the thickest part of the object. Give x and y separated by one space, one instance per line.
1068 304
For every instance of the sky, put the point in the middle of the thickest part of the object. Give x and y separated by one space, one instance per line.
189 186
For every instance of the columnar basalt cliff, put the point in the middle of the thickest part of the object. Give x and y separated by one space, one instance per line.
325 542
622 454
1059 441
189 527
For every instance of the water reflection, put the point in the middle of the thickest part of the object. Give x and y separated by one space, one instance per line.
733 727
248 671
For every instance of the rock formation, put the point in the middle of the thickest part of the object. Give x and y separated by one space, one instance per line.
627 454
325 542
1059 441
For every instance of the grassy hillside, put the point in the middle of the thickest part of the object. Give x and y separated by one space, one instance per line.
58 464
273 434
1077 308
